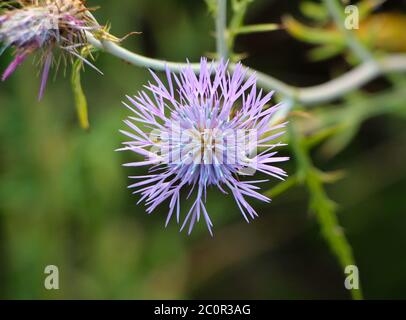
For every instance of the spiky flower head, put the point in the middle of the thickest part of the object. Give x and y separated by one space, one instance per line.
204 131
41 26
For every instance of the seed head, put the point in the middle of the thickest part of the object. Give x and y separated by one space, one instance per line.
42 26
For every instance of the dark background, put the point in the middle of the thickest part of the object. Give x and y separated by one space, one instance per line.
63 196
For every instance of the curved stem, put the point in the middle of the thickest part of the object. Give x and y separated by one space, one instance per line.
325 92
265 81
352 80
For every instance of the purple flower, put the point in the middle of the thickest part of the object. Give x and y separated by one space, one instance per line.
204 131
40 27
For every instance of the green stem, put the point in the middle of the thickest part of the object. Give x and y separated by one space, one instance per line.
337 12
321 205
221 29
240 8
325 92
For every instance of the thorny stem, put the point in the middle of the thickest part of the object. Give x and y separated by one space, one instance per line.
321 205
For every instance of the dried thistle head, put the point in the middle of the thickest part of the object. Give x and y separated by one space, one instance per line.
42 26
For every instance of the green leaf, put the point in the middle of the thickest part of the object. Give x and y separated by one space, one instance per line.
312 35
80 98
314 11
340 141
256 28
282 187
325 52
367 7
240 5
212 7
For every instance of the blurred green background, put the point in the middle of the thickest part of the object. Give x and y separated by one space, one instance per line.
64 202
